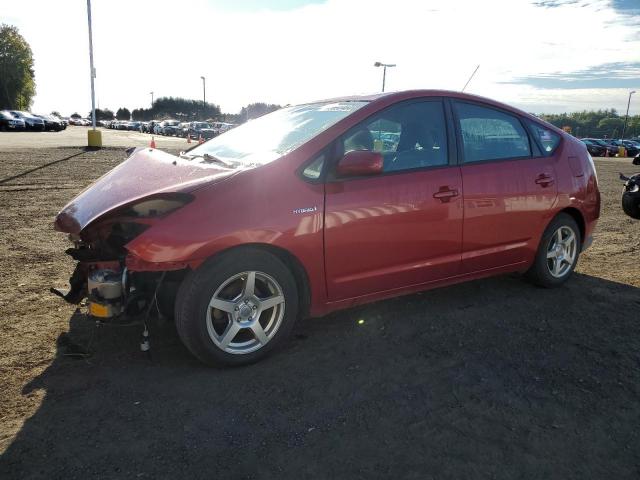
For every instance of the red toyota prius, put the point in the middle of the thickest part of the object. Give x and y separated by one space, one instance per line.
327 205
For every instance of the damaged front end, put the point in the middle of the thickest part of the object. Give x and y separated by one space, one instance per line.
120 206
114 282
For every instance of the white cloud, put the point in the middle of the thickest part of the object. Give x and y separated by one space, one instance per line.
317 51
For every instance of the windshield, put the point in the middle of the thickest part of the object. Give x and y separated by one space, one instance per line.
261 141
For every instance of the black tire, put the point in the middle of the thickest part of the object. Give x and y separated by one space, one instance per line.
540 272
198 287
631 205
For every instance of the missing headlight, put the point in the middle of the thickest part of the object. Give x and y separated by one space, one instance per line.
158 206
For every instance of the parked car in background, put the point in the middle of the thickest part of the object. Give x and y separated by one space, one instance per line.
608 147
77 122
631 147
63 120
150 127
221 127
593 148
52 123
143 126
168 127
135 126
306 210
10 123
171 128
183 129
201 129
31 121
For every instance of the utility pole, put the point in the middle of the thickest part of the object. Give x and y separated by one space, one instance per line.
94 137
626 117
204 95
384 70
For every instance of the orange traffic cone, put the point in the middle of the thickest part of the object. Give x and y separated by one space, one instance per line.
188 138
153 143
200 140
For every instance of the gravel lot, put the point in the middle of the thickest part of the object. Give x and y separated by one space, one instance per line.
490 379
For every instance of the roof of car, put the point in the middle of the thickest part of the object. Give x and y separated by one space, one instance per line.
403 94
392 97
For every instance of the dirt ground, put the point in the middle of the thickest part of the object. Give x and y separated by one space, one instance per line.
490 379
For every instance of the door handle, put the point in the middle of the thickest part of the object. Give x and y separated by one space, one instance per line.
544 180
445 194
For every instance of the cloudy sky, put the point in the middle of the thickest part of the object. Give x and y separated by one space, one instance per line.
540 55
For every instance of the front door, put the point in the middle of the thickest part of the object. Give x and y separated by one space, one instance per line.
402 227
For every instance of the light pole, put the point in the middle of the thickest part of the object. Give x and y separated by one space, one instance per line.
94 137
384 71
627 115
204 95
151 99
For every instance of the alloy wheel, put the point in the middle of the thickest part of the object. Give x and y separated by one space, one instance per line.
245 312
562 251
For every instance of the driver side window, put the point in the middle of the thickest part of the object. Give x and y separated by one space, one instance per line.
408 136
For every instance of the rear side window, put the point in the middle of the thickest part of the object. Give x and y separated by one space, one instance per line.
548 139
489 134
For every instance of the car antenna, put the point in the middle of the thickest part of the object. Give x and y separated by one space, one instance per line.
474 72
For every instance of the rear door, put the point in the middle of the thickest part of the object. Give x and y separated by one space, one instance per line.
509 187
402 227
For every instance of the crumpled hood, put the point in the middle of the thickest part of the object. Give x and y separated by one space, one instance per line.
146 172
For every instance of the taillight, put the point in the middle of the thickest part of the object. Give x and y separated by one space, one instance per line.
593 166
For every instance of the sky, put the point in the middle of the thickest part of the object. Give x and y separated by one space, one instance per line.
544 56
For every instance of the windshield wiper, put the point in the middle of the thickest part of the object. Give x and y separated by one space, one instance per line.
209 158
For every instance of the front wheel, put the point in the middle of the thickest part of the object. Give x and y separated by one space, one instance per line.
557 254
236 308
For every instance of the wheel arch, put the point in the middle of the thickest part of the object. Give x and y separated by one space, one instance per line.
579 219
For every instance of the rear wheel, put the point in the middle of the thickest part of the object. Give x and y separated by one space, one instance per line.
236 308
558 252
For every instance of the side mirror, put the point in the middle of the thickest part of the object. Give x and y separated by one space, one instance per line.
359 163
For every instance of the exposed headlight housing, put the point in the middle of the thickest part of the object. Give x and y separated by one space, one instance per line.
158 205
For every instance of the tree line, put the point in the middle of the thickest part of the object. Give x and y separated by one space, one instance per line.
17 77
184 110
595 123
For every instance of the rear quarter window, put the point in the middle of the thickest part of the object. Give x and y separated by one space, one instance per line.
546 138
489 134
